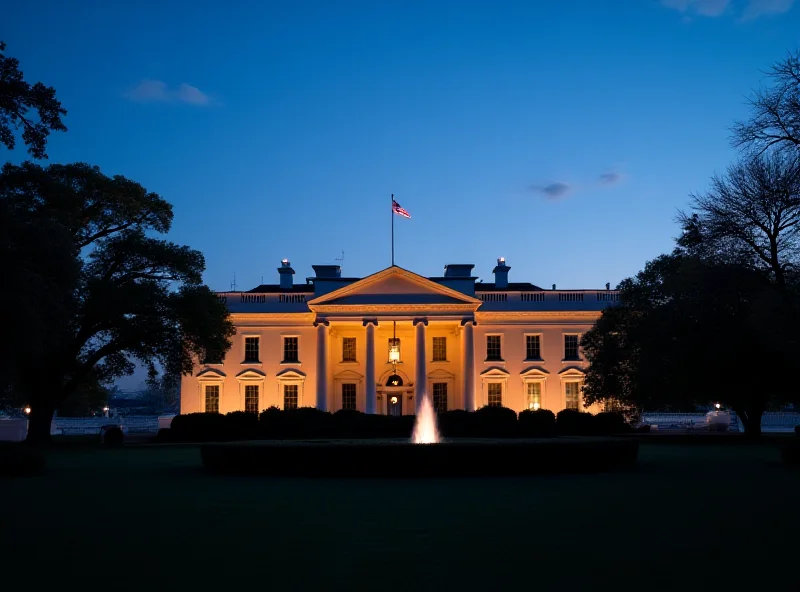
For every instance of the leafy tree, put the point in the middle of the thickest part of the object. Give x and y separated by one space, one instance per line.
87 399
17 98
750 216
129 295
689 332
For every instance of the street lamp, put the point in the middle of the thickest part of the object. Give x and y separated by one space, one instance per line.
27 410
717 406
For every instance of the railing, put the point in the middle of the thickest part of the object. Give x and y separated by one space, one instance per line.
532 296
92 425
608 296
570 297
246 298
494 296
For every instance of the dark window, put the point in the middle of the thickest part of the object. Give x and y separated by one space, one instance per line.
348 396
251 349
571 347
440 349
533 349
289 396
495 394
212 398
394 380
571 390
290 349
348 349
440 397
251 398
493 348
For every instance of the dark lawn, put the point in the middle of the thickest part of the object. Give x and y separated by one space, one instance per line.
143 518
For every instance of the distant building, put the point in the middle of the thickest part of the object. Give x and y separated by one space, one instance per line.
377 344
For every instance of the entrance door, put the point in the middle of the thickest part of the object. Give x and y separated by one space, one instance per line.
394 403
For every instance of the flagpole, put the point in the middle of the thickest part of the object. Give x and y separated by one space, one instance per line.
391 213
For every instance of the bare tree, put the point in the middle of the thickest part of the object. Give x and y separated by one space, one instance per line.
775 121
751 214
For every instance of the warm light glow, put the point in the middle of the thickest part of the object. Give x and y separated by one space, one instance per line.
425 430
717 405
285 261
394 354
536 406
394 400
28 410
105 409
501 260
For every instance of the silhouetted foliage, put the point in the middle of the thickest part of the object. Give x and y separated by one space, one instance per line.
17 99
570 422
536 424
682 334
113 436
124 295
456 423
495 422
775 117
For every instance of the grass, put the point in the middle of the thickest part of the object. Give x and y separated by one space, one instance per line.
149 518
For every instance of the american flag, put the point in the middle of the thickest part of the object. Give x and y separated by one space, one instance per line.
397 209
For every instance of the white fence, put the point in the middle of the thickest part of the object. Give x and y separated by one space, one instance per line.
71 426
770 422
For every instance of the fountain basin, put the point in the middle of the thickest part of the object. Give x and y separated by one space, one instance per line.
400 458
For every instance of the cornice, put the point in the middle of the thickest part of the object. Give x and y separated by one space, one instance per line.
395 309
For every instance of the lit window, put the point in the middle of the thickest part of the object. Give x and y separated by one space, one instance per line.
289 396
348 349
440 349
251 349
495 394
571 390
440 396
493 348
534 395
533 347
571 347
290 349
251 398
212 398
348 396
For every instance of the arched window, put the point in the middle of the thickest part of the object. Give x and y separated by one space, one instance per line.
394 380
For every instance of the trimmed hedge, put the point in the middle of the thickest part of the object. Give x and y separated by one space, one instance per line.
390 459
20 460
536 424
311 423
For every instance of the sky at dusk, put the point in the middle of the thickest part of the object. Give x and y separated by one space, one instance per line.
562 135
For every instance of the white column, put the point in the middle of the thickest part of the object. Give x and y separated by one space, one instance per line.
421 373
468 357
372 393
322 365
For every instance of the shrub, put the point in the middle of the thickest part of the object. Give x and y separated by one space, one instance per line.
348 423
495 422
610 422
456 424
164 435
271 423
241 425
307 422
199 427
574 423
18 460
112 436
797 430
536 424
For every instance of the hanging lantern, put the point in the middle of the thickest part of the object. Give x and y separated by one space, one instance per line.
394 352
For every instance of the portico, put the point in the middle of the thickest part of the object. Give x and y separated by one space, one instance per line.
379 344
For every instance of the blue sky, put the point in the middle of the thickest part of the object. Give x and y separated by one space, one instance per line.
561 135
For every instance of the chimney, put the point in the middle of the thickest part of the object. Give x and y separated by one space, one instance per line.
286 272
327 271
554 286
608 285
501 274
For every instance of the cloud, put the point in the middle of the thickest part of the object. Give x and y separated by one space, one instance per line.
554 191
701 7
155 91
714 8
610 178
757 8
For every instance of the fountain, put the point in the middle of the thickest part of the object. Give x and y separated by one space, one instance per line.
425 429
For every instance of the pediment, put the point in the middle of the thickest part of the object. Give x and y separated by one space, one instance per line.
533 371
211 374
441 373
575 371
348 375
394 286
495 371
251 374
290 373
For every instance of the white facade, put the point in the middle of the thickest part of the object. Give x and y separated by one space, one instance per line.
326 344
